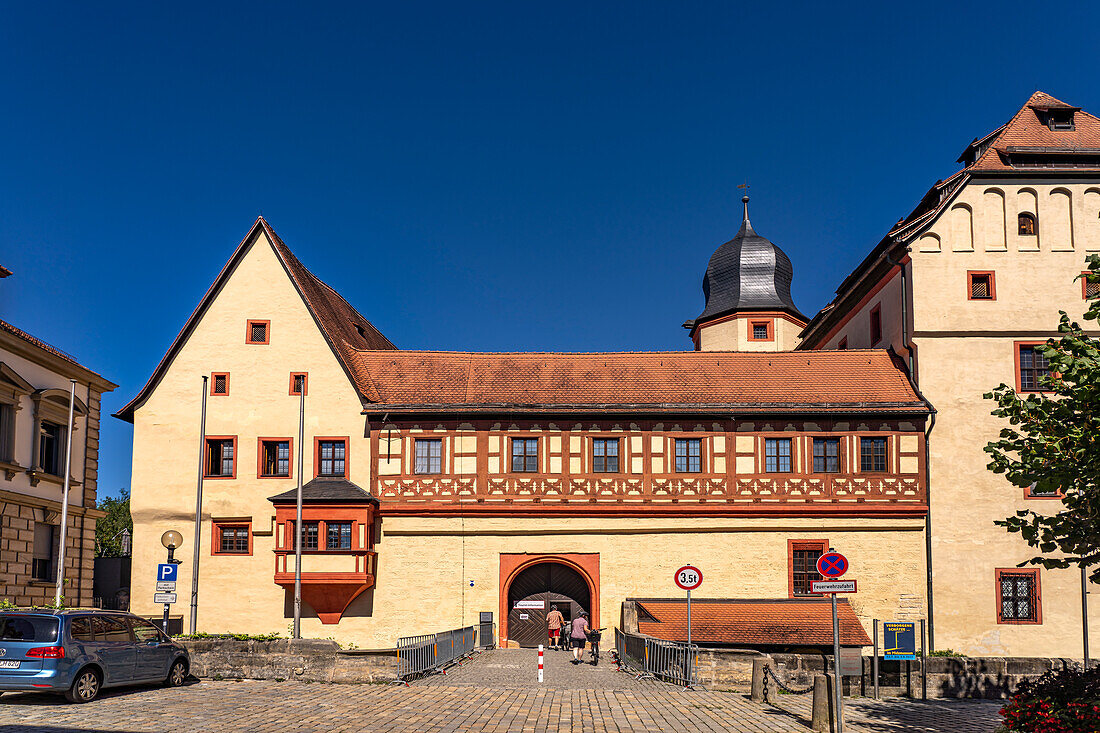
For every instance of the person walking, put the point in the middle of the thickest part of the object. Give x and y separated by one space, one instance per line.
554 620
578 634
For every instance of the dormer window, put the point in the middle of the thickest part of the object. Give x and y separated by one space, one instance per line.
1026 224
1060 119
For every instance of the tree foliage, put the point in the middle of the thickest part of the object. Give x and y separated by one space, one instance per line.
1052 445
108 530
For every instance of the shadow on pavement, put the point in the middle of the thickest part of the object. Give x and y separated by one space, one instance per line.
40 699
932 716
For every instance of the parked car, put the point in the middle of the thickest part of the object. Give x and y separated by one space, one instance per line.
80 652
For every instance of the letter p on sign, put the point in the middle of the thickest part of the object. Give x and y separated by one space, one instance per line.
166 571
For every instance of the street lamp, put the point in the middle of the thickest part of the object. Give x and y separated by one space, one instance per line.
170 539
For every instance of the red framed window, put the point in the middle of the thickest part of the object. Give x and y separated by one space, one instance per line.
299 383
802 558
1019 600
330 457
689 455
826 455
221 456
525 455
219 384
605 455
428 455
274 460
980 285
1031 366
257 332
876 324
872 454
1089 291
232 537
777 455
761 330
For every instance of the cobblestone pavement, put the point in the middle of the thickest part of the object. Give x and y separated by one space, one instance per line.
495 693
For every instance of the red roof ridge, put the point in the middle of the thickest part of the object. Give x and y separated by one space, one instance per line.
690 353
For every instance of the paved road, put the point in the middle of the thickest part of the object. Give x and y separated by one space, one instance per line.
494 694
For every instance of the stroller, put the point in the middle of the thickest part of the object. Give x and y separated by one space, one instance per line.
594 639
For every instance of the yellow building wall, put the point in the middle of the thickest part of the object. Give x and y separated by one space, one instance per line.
733 334
235 590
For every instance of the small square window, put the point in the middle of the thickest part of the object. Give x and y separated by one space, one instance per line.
826 455
605 455
332 457
299 383
219 383
981 286
428 455
689 455
525 455
777 455
760 330
258 332
872 454
275 458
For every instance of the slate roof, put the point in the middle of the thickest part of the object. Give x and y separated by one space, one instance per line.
343 327
659 381
325 489
751 622
747 273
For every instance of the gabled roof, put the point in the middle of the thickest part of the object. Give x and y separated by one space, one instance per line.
692 382
1026 129
750 621
326 489
343 327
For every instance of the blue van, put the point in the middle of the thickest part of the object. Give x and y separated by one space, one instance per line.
79 652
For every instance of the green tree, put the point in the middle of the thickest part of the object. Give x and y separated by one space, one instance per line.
1052 445
108 530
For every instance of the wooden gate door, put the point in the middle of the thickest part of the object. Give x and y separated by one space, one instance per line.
531 594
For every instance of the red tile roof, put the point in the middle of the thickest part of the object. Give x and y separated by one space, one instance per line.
345 329
39 343
751 622
455 381
4 272
1027 130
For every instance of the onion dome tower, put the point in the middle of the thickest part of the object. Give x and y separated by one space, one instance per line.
748 292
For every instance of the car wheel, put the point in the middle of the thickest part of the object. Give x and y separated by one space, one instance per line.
85 687
177 674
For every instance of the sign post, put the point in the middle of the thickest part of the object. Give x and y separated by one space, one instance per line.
166 585
689 578
832 565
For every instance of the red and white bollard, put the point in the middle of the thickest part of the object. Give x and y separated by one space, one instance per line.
540 663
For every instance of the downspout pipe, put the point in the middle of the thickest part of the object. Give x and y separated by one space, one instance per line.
927 452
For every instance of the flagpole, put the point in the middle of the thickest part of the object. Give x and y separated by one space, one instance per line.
298 516
65 499
194 621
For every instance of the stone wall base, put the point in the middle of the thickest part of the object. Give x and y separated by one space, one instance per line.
307 660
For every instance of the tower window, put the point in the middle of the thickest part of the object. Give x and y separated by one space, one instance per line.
981 286
1026 223
760 330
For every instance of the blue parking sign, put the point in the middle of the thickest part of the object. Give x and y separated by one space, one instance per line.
166 571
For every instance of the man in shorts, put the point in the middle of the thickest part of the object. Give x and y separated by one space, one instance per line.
554 620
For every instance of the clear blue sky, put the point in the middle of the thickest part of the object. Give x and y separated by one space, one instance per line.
476 175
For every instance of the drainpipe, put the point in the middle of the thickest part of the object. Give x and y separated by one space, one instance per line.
927 451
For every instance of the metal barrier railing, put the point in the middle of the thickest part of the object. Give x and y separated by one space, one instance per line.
647 657
419 655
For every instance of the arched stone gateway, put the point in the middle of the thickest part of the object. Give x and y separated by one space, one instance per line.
536 587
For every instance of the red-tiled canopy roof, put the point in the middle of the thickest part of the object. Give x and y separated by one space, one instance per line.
751 622
455 381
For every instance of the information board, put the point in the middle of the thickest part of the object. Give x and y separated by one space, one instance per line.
899 640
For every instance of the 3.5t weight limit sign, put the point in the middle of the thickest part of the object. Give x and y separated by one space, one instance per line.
689 577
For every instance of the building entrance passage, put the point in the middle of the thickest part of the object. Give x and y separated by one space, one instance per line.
534 591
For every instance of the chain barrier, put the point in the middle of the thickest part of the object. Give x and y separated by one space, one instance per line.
771 673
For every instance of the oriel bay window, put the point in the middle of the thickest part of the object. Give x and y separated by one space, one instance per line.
428 455
337 535
220 457
689 455
826 455
605 455
872 454
777 455
274 457
323 535
525 455
331 458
